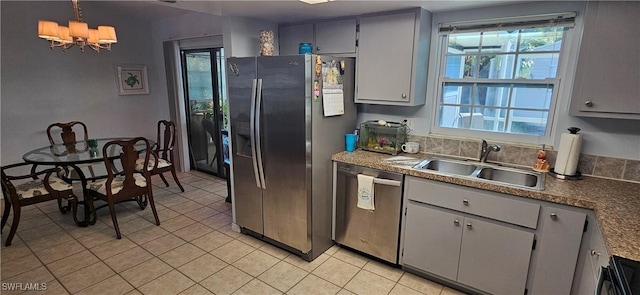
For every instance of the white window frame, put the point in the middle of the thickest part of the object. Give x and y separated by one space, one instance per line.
440 79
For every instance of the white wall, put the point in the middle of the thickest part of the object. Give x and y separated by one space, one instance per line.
40 86
241 36
604 137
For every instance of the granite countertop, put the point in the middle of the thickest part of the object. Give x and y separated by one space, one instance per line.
616 203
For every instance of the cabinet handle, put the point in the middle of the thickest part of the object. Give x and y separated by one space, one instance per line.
456 222
554 216
465 202
595 253
469 226
404 95
588 103
318 48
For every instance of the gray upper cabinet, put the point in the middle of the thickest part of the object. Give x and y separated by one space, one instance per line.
607 80
392 58
290 37
327 37
337 36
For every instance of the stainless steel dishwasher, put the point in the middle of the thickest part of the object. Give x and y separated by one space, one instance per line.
374 232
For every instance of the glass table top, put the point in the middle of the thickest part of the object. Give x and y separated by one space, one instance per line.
77 153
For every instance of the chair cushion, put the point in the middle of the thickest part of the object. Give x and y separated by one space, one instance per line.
116 185
161 164
36 187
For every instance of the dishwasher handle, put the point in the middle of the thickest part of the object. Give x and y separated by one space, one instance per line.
387 182
376 180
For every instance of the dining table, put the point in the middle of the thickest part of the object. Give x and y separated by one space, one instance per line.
82 161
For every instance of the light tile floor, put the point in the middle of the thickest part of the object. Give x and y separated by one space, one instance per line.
193 251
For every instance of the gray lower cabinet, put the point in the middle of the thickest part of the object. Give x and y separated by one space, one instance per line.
468 236
560 239
493 257
432 240
393 51
593 255
483 255
497 243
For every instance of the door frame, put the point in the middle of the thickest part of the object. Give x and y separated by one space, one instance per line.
217 114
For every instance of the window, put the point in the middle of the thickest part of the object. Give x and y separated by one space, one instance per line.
500 77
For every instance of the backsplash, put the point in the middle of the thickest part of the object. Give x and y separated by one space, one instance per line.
597 166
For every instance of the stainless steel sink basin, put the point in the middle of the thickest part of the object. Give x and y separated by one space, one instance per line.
484 172
447 166
514 177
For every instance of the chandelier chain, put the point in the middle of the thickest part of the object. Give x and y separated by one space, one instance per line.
77 10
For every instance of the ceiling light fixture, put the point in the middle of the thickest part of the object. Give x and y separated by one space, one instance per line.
77 33
316 1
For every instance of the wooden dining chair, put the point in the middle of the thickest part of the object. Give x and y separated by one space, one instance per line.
162 159
67 132
210 128
22 190
125 185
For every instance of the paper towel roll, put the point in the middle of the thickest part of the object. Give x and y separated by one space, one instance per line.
568 154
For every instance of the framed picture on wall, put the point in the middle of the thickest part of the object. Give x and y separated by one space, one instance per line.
132 79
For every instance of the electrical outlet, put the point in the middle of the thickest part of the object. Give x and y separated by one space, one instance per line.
409 122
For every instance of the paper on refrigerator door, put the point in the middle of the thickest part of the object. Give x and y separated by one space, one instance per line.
332 89
333 102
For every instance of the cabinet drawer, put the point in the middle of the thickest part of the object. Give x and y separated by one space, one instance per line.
473 201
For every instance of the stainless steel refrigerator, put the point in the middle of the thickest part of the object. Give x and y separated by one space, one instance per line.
282 145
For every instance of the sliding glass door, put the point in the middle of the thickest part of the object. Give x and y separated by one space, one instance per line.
206 109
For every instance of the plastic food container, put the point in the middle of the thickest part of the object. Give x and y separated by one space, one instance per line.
304 48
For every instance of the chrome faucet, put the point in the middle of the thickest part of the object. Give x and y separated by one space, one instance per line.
487 149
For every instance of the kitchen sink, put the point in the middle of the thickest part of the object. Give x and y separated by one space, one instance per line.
447 166
484 172
514 177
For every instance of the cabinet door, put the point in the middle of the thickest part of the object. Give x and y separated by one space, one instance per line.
558 247
335 37
291 36
385 57
593 255
494 258
607 79
432 240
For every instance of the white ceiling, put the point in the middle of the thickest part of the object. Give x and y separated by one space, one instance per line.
287 11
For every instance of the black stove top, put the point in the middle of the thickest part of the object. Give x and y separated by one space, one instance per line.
627 274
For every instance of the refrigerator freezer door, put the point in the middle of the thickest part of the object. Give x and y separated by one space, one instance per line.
286 148
241 78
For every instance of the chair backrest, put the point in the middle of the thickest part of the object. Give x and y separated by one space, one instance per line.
127 159
67 132
8 187
210 127
166 139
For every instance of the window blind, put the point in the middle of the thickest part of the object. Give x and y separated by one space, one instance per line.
566 19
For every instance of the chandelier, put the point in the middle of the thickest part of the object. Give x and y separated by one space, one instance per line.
77 33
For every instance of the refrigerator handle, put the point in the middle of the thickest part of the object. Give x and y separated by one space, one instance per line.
258 140
252 123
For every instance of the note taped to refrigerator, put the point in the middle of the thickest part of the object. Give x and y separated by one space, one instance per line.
332 89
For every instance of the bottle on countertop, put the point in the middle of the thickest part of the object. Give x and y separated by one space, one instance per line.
357 133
